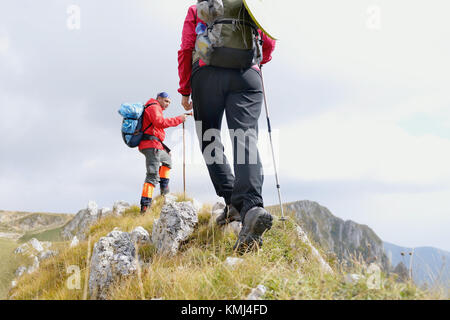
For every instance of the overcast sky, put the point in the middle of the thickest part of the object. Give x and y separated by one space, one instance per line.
358 92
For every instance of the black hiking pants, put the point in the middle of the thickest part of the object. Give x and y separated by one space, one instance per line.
239 95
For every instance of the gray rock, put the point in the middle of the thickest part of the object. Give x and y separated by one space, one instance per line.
20 271
22 248
324 266
120 207
74 242
47 254
34 267
113 258
32 247
13 284
217 209
257 293
104 212
197 204
36 244
346 239
81 222
140 236
232 261
352 278
176 223
170 198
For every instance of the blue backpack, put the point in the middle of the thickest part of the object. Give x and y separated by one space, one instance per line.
133 117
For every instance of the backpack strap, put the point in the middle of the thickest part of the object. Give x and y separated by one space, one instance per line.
145 108
234 22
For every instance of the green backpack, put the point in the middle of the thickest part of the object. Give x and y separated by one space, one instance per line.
230 38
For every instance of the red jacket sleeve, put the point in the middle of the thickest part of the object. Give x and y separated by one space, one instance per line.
185 53
268 48
157 119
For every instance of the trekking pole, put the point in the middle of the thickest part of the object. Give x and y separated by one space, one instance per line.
271 146
184 158
184 166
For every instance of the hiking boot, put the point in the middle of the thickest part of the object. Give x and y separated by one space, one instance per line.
165 191
256 221
144 209
228 215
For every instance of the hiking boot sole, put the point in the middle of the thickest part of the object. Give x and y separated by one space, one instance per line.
256 222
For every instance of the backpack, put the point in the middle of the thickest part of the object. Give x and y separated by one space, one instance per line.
133 117
230 38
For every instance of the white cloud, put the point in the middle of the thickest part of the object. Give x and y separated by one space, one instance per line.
343 145
4 42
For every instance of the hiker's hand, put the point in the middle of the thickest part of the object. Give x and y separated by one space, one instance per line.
187 105
184 117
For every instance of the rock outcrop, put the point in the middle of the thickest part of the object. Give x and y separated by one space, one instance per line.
257 293
346 239
175 224
37 252
325 267
113 258
87 217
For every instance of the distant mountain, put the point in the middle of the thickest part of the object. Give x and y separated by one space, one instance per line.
14 224
429 265
347 239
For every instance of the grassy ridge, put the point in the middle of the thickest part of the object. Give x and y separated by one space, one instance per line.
284 265
8 265
52 235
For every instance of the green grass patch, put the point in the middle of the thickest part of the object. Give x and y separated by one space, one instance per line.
52 235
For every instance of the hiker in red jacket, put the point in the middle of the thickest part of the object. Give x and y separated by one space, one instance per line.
230 83
157 155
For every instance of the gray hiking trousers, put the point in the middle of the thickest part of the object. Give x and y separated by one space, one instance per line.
237 94
154 158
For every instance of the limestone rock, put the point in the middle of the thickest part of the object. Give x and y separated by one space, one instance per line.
217 209
232 261
325 267
140 236
176 223
170 198
113 258
81 222
20 271
257 293
47 254
197 205
352 278
120 207
74 242
346 239
34 266
32 247
104 212
36 244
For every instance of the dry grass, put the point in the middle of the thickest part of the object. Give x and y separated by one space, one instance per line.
284 265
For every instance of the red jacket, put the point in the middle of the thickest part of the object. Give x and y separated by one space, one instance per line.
154 115
188 44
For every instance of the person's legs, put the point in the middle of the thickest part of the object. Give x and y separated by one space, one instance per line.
243 108
164 171
209 102
152 161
